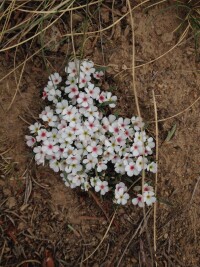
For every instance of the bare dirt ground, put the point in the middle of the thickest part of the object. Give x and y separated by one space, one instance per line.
41 218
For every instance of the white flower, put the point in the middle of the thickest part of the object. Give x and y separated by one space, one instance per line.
111 98
53 95
69 112
98 74
123 123
92 91
71 81
39 155
149 145
34 128
94 149
73 68
127 158
82 147
54 164
152 167
140 138
102 97
121 197
131 169
137 123
102 186
78 180
101 166
49 147
84 134
141 163
30 140
87 67
137 149
112 145
72 90
139 200
147 188
90 162
119 167
120 185
86 186
60 106
68 135
149 198
120 140
54 79
54 135
92 124
42 135
75 120
90 112
116 158
45 111
93 181
128 132
83 79
84 100
107 156
114 128
50 118
73 168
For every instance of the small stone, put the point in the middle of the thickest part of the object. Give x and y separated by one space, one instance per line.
11 202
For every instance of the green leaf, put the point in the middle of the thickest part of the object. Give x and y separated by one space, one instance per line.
164 201
171 133
107 103
101 68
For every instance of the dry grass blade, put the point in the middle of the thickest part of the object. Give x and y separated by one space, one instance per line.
101 239
27 261
179 113
156 179
131 239
28 189
133 60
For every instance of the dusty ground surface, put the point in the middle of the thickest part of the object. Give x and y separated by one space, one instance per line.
40 217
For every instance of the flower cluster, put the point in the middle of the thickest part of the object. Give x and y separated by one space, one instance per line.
78 140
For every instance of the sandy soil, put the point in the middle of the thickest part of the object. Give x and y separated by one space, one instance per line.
40 217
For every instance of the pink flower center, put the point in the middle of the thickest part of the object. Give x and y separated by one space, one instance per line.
101 97
43 134
132 168
94 149
116 130
50 146
102 186
119 139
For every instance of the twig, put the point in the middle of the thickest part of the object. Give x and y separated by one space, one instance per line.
99 204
